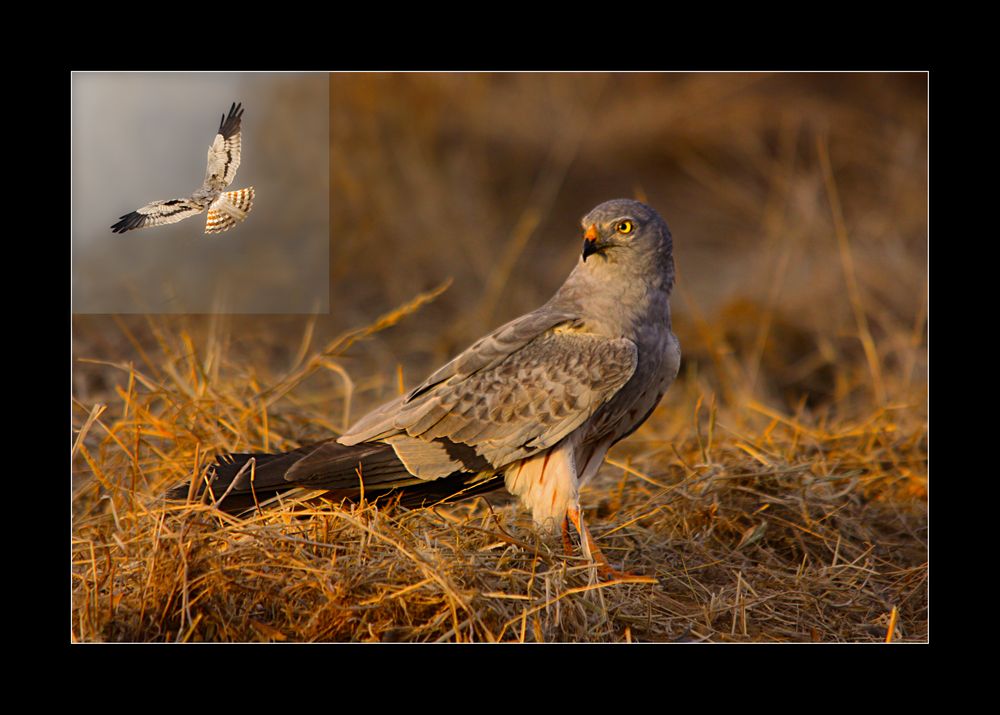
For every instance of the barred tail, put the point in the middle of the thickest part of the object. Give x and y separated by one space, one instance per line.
229 209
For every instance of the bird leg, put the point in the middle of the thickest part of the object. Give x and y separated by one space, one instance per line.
592 550
567 544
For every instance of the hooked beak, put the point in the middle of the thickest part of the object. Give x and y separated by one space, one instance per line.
590 242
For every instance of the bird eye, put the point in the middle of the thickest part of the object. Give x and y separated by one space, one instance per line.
624 227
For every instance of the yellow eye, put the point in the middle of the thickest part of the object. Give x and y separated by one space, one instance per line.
624 227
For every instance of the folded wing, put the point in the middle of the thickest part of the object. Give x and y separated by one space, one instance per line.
487 409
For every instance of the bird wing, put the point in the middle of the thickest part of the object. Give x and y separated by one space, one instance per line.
224 154
488 408
156 213
484 353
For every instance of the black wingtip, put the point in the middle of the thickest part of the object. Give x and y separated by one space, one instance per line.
230 124
128 222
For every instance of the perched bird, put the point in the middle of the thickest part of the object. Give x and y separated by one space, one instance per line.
534 405
225 208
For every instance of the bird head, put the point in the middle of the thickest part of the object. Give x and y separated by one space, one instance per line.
620 227
628 234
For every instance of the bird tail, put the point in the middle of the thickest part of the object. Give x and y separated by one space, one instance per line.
229 209
238 483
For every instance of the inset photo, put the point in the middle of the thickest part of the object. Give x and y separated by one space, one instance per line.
200 192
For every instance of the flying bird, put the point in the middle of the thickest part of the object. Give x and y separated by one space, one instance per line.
225 208
535 405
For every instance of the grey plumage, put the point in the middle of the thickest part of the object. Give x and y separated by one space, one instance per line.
225 208
517 406
539 401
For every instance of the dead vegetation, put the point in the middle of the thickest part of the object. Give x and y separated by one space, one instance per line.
756 525
777 494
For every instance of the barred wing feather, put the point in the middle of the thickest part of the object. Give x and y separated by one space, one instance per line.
156 214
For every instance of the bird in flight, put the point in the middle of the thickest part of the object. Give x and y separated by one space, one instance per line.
535 405
225 208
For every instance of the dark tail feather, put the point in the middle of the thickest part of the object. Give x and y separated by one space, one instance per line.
268 480
337 469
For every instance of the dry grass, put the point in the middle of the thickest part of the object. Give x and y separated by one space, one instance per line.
777 494
757 525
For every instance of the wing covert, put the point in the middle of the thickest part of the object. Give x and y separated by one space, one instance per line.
485 352
518 405
528 401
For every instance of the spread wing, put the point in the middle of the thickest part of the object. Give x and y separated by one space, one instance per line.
224 154
156 213
488 408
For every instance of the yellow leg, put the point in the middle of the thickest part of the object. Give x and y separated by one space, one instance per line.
593 552
567 544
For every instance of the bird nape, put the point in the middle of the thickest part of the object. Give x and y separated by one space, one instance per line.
535 405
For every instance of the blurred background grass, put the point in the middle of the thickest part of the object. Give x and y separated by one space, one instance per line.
484 178
798 206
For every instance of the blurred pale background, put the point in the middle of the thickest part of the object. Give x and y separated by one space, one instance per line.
140 137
